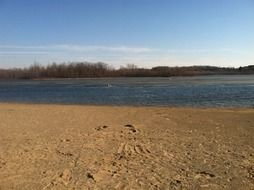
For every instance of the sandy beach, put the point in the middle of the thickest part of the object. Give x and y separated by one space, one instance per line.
108 147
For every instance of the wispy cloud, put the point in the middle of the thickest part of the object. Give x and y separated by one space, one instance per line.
6 53
19 55
123 49
76 48
201 50
48 49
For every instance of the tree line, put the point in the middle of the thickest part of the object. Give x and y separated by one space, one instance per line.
92 70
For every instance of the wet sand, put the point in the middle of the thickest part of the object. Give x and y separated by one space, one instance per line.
107 147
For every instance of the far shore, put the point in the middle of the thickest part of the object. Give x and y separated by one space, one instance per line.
45 146
100 69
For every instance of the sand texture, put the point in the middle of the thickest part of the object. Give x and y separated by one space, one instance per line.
103 147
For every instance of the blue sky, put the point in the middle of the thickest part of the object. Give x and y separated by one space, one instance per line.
144 32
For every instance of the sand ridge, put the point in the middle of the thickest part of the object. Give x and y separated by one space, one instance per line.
110 147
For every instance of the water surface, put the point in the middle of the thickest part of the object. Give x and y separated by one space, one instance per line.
204 91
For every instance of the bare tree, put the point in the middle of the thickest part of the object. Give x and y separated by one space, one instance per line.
100 69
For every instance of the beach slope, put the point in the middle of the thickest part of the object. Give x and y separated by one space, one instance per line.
108 147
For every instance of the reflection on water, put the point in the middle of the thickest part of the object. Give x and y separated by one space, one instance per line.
224 91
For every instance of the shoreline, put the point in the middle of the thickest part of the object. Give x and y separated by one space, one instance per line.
131 106
113 147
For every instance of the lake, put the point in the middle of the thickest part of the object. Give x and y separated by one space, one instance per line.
198 91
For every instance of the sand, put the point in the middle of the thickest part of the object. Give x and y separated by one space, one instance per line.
107 147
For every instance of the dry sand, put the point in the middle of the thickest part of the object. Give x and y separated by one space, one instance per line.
100 147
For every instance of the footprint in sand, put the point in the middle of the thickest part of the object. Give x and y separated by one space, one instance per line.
90 176
250 171
68 154
101 127
131 128
64 178
2 163
205 174
65 140
127 149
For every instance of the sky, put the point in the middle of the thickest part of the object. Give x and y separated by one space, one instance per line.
143 32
